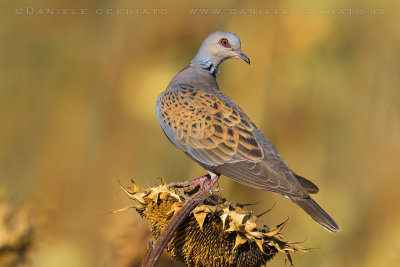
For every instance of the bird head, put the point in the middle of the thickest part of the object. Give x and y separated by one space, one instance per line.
217 47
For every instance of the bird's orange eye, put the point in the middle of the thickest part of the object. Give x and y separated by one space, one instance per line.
224 42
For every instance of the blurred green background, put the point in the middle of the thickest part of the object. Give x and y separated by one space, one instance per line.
77 114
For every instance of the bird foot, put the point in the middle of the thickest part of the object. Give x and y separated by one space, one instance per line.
211 182
205 182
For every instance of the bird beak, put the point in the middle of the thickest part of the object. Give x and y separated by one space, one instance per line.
241 55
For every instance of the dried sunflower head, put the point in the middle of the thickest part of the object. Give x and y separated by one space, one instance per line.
16 235
216 233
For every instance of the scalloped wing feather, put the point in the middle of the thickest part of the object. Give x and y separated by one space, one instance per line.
218 135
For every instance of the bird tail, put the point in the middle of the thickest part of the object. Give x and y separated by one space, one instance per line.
317 213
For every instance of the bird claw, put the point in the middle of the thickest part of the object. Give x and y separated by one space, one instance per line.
202 181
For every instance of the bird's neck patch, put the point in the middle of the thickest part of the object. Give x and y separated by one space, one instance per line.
208 66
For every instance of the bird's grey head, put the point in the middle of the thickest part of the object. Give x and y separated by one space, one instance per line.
217 47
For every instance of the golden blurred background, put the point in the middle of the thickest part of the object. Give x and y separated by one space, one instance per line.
77 114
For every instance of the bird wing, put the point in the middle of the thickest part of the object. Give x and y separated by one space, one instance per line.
216 133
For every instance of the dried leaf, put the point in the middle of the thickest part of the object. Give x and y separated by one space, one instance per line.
232 227
122 209
200 218
240 239
260 243
237 217
223 217
174 208
250 226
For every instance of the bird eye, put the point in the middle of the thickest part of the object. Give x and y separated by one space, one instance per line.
224 42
